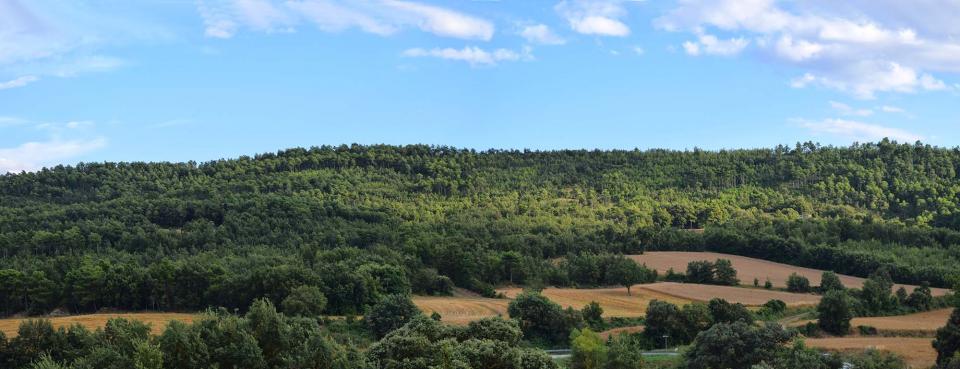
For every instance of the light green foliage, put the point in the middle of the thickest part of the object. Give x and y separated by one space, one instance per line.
588 350
624 353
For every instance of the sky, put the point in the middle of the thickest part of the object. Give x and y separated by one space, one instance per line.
178 80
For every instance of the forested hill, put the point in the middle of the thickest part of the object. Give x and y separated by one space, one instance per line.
181 235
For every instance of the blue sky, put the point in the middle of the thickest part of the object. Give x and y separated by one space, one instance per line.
200 80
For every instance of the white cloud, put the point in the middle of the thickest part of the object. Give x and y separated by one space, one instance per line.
63 39
797 50
475 56
443 22
332 17
865 79
594 17
711 45
838 43
541 34
892 109
32 156
223 18
845 109
691 48
18 82
858 130
639 50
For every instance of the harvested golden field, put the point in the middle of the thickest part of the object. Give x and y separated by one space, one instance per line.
93 321
615 301
927 321
462 309
750 268
917 352
746 296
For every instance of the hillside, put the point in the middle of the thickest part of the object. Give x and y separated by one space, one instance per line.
363 221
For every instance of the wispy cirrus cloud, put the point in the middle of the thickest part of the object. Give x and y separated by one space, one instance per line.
856 130
473 55
63 141
34 155
18 82
223 18
63 39
845 109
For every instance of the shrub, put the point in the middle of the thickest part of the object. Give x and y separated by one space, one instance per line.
798 283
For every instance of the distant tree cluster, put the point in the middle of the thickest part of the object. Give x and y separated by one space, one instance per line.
720 272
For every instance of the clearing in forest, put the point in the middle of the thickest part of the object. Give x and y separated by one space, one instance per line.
746 296
917 352
750 268
461 309
158 321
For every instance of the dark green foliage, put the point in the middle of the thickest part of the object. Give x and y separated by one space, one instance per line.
304 301
920 299
768 285
542 319
948 339
725 312
426 343
834 312
866 330
829 281
876 296
498 329
593 316
392 312
700 272
798 283
724 274
626 272
720 272
772 309
735 345
679 325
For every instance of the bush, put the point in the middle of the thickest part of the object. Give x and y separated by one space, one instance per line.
304 301
834 312
392 312
542 319
829 281
798 283
866 330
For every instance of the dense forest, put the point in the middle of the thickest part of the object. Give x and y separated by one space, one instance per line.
362 222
